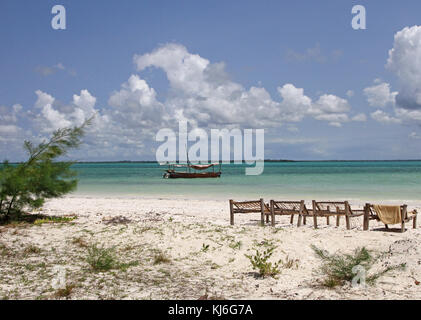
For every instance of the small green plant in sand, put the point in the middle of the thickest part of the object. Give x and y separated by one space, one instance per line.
205 247
102 259
236 245
125 266
260 262
264 243
53 219
338 268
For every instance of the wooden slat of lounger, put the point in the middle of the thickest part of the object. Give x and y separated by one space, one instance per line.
287 202
246 210
246 202
248 205
287 205
323 206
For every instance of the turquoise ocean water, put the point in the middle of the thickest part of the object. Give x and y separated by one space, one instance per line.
391 180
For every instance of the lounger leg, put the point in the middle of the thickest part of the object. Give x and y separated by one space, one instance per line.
314 214
272 213
347 214
327 220
404 217
267 218
300 215
366 224
414 223
338 220
231 213
305 220
366 217
387 227
292 218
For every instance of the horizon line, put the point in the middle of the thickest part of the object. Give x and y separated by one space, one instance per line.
232 161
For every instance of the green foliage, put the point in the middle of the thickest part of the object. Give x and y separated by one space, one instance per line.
260 262
28 184
205 247
264 243
125 266
104 259
53 219
101 259
236 245
337 268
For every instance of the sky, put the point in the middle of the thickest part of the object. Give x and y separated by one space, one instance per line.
297 69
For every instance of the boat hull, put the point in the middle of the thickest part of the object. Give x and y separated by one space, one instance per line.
191 175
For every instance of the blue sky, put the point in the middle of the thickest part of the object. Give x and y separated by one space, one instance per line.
308 45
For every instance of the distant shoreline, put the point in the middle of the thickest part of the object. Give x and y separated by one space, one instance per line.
244 162
266 160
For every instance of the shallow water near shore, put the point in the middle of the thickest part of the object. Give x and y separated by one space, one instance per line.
363 180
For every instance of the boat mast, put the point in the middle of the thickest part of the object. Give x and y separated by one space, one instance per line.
188 161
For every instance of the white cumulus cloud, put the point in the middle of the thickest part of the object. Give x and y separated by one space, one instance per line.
204 94
380 95
405 60
384 117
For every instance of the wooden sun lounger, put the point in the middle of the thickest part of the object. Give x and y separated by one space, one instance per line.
334 208
258 206
286 208
370 214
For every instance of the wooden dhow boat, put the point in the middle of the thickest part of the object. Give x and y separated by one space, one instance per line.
192 171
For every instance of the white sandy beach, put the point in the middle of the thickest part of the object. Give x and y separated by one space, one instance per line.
182 229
